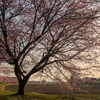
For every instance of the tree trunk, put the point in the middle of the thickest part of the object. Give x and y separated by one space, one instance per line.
21 88
21 82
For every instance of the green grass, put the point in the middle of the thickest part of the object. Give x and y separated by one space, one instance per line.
87 97
6 95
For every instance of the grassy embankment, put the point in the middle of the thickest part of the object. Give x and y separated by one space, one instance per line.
5 95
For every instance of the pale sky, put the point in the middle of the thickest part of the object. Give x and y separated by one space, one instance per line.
96 74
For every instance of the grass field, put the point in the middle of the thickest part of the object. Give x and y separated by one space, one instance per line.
5 94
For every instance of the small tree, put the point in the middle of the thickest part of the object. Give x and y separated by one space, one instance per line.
46 35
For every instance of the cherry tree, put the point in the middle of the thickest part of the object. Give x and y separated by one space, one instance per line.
48 36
